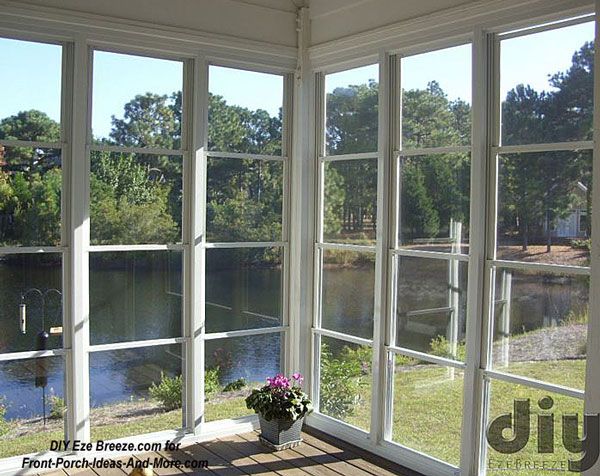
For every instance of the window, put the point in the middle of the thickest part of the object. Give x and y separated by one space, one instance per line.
539 273
246 237
32 390
431 253
345 249
136 263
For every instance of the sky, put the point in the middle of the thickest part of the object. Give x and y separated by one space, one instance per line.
35 72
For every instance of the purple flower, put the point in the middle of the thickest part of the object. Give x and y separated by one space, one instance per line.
279 381
298 378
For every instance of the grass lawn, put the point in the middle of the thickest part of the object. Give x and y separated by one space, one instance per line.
427 411
427 414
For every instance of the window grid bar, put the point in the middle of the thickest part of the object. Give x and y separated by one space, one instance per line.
359 156
341 336
245 333
546 147
434 359
430 254
453 149
246 244
137 344
15 250
530 382
135 150
148 247
545 27
33 354
346 247
32 144
242 156
547 267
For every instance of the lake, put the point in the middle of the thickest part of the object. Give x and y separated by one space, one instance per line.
136 296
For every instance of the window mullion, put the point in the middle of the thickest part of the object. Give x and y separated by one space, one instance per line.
592 382
474 389
77 262
194 294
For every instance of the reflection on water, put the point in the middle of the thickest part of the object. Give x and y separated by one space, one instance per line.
115 378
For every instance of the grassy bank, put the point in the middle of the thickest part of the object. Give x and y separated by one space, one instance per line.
427 413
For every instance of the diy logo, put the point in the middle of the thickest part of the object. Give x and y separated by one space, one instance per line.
519 422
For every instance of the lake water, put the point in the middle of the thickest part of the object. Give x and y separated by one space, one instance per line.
135 297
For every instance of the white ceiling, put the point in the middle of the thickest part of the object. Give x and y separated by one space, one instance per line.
272 21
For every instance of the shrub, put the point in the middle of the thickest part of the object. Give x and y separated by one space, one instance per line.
4 426
57 407
340 382
235 385
585 245
211 381
168 391
442 348
575 317
403 360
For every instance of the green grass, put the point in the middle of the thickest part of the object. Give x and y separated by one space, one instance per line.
427 413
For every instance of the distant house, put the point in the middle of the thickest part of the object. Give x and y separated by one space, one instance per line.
575 224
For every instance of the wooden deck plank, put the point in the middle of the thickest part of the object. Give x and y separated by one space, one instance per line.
294 458
245 464
113 471
159 471
375 464
216 464
182 456
238 455
339 462
80 472
264 456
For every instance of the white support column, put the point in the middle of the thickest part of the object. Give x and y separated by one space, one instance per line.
77 260
592 380
302 205
194 294
474 389
387 67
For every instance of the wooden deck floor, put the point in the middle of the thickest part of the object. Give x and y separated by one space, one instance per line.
319 455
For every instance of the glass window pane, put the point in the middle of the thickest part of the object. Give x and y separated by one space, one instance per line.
431 306
546 86
30 196
542 198
347 296
244 111
31 288
244 201
436 98
140 105
30 96
345 382
243 288
540 328
434 202
135 199
135 295
234 367
352 111
135 391
32 400
350 201
427 408
529 461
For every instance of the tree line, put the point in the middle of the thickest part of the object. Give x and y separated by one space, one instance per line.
137 198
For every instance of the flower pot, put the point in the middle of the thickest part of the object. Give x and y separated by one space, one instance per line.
280 434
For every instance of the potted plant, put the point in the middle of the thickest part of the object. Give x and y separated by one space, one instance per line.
281 406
